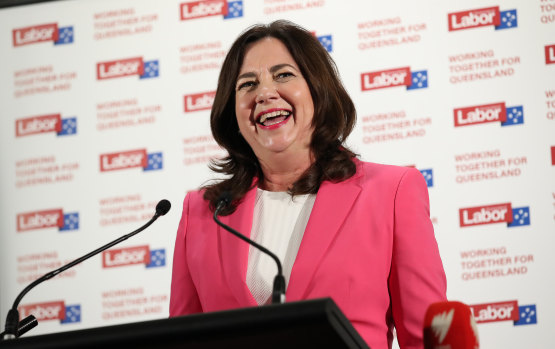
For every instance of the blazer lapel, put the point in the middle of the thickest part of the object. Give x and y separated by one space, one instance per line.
333 204
235 251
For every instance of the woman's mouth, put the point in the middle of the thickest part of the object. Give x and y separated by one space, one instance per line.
273 119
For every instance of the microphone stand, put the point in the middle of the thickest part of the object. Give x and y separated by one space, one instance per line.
278 292
12 319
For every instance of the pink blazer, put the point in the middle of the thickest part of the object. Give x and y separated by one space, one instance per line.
369 245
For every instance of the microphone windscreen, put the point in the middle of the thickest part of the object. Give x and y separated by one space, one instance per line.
163 207
27 324
450 324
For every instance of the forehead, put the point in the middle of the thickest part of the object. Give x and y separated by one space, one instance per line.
264 54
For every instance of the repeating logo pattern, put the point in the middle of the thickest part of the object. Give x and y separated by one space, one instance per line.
209 8
527 315
131 159
508 20
69 126
126 256
472 19
419 79
43 33
498 213
515 116
71 222
495 312
45 124
489 214
72 314
56 310
428 176
128 67
53 218
326 41
134 255
151 69
155 161
520 216
393 78
157 258
43 311
199 101
550 54
482 17
65 36
505 311
234 9
486 113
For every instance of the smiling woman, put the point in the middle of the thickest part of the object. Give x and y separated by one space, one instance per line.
274 111
280 68
354 231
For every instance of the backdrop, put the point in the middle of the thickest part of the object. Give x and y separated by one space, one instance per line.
105 108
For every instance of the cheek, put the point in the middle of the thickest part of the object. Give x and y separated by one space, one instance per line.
242 109
239 114
307 105
239 103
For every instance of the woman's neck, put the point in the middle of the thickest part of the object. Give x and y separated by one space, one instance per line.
281 172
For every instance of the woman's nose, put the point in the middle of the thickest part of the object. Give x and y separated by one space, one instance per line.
266 91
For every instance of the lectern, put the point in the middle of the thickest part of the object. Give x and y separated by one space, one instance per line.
315 323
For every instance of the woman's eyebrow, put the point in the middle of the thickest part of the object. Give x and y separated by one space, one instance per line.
280 66
246 75
272 70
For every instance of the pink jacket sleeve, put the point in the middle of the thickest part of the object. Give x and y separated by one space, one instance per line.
417 277
183 297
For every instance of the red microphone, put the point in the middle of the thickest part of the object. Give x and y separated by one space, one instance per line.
450 325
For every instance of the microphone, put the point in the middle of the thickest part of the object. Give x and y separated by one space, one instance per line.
278 292
25 325
163 207
13 325
450 324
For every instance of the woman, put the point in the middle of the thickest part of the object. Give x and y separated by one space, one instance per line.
357 232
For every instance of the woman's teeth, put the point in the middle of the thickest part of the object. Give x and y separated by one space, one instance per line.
273 117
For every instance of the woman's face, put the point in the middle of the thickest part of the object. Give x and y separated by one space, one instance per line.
273 104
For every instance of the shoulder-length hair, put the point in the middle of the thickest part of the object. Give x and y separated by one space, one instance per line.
333 120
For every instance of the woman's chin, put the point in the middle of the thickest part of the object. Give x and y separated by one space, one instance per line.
275 146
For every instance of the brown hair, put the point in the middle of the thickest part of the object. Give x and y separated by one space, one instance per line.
334 117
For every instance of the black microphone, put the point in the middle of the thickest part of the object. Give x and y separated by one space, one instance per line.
25 325
12 320
278 292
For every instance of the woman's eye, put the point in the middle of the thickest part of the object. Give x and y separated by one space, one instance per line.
246 84
284 75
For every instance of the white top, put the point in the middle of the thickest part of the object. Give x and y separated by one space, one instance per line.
278 224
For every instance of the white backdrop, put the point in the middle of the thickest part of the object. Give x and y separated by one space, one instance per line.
105 108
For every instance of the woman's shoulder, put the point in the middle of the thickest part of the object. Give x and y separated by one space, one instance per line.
386 175
195 194
372 169
389 180
194 201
